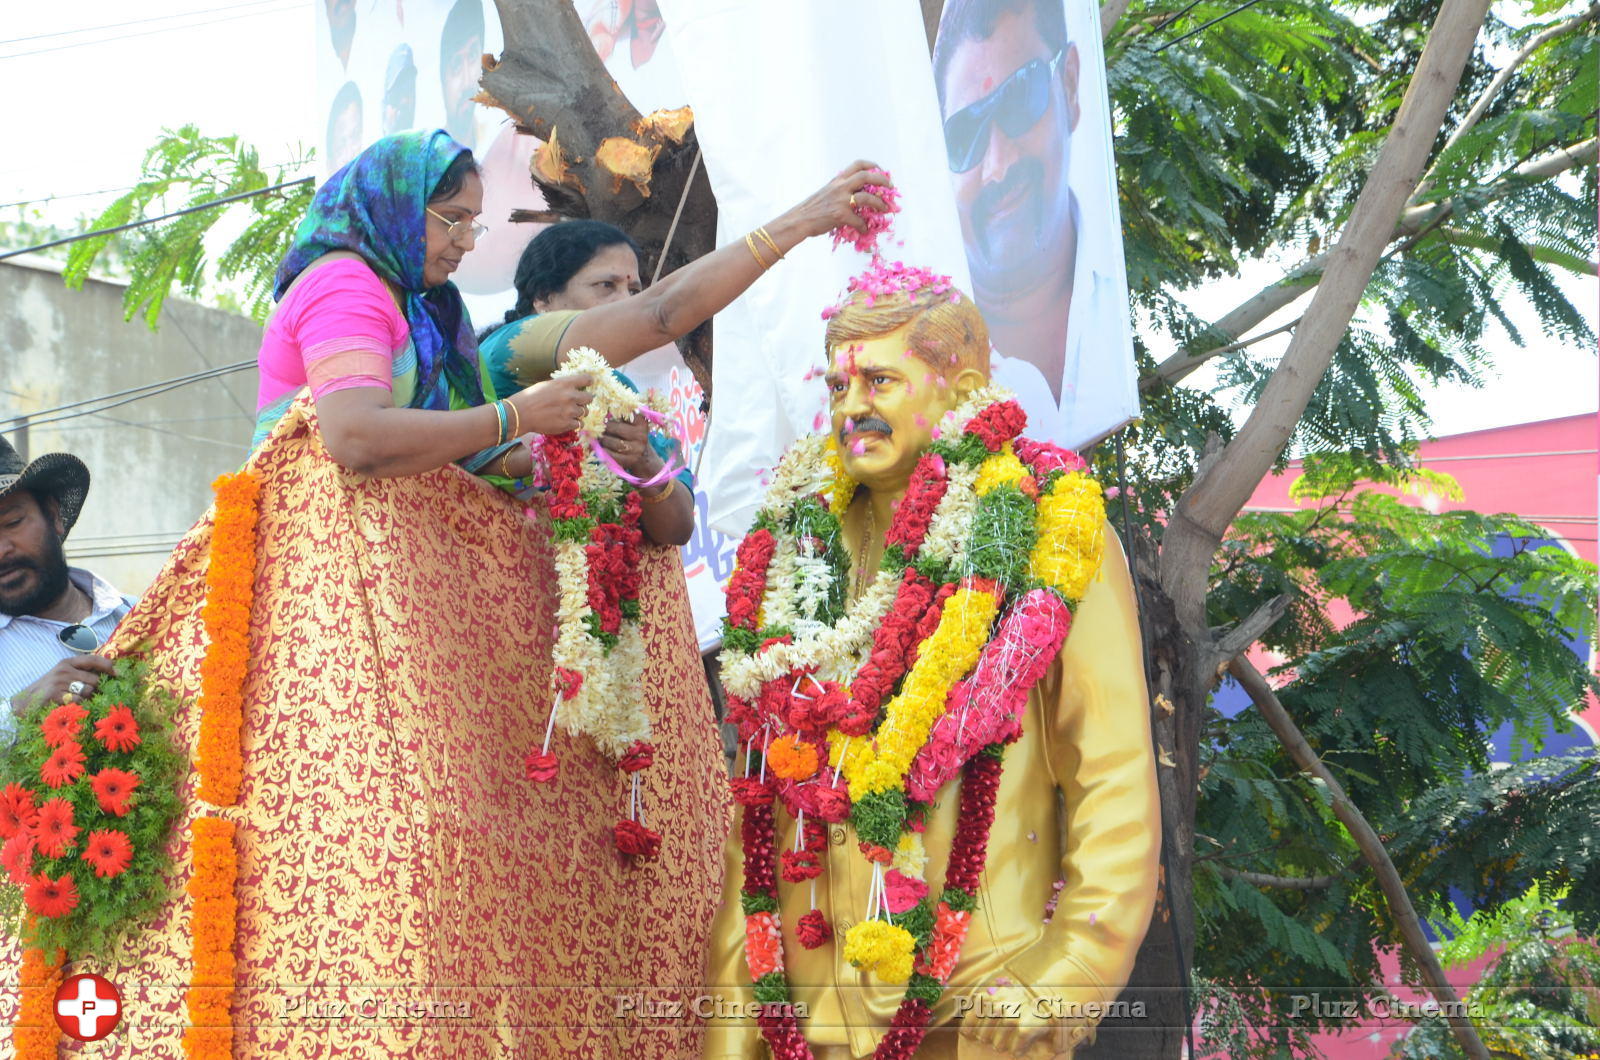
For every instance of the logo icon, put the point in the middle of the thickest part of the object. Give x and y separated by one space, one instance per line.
88 1007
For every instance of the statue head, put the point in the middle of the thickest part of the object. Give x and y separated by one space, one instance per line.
904 348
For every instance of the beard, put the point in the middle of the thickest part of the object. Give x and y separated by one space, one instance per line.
47 589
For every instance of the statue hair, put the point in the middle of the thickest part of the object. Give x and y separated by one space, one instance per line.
939 326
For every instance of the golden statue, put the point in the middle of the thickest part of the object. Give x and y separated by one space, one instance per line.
894 662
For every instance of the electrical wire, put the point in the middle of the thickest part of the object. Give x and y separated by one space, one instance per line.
1207 25
295 6
74 409
70 195
156 220
136 22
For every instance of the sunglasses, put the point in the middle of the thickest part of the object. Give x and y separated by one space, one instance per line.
459 230
1020 101
79 638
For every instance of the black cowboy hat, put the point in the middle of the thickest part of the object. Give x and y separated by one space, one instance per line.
58 475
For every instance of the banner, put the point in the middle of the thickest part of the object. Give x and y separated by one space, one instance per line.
1001 145
1027 136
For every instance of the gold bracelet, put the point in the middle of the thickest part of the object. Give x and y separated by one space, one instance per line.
750 242
516 429
766 237
505 472
657 498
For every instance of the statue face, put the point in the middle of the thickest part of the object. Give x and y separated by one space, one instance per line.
885 404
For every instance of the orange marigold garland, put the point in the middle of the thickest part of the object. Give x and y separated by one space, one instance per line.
212 923
230 586
35 1033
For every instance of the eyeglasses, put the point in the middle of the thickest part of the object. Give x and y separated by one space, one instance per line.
1020 101
459 230
80 639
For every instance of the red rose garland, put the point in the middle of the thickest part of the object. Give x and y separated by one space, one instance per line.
608 614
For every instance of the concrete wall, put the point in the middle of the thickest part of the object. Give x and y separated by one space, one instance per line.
151 460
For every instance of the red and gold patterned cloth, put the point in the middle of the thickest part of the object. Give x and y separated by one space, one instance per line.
395 864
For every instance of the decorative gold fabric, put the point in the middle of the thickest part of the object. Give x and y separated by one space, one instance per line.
395 863
1086 733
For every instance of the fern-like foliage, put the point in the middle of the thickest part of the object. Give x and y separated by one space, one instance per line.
1539 999
1447 639
186 169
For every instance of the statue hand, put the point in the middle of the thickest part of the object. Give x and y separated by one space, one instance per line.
830 206
1007 1018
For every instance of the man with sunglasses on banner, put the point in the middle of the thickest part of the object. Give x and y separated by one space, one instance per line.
52 617
1007 78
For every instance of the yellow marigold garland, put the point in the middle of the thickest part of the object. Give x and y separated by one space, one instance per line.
1067 552
230 586
843 490
35 1033
230 589
942 660
1001 469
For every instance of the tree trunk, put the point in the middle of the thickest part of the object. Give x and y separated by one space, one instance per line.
1178 694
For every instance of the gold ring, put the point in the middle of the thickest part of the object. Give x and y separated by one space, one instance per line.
852 200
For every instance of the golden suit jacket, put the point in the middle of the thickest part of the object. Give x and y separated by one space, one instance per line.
1087 737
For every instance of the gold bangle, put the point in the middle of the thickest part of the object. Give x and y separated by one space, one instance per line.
657 498
516 429
766 237
750 242
505 472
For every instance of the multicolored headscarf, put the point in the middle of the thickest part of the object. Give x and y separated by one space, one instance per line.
376 206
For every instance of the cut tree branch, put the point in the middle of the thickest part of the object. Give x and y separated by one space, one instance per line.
1251 629
1370 845
1303 278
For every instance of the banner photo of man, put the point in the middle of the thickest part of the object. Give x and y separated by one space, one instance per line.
1027 136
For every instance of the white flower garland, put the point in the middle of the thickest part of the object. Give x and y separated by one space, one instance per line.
837 652
609 706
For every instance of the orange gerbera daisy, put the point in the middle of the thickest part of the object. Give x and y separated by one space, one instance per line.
117 730
113 787
64 766
55 832
108 851
49 897
63 723
17 811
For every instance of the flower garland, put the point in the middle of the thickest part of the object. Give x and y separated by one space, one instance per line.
597 677
209 1035
213 921
88 798
924 676
230 589
35 1033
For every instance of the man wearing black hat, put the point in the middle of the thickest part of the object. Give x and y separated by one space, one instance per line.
52 617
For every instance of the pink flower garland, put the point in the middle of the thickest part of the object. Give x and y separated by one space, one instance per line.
987 706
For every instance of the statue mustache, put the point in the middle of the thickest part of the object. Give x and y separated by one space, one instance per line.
870 423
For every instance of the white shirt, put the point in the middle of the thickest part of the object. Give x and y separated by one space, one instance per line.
30 646
1099 382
